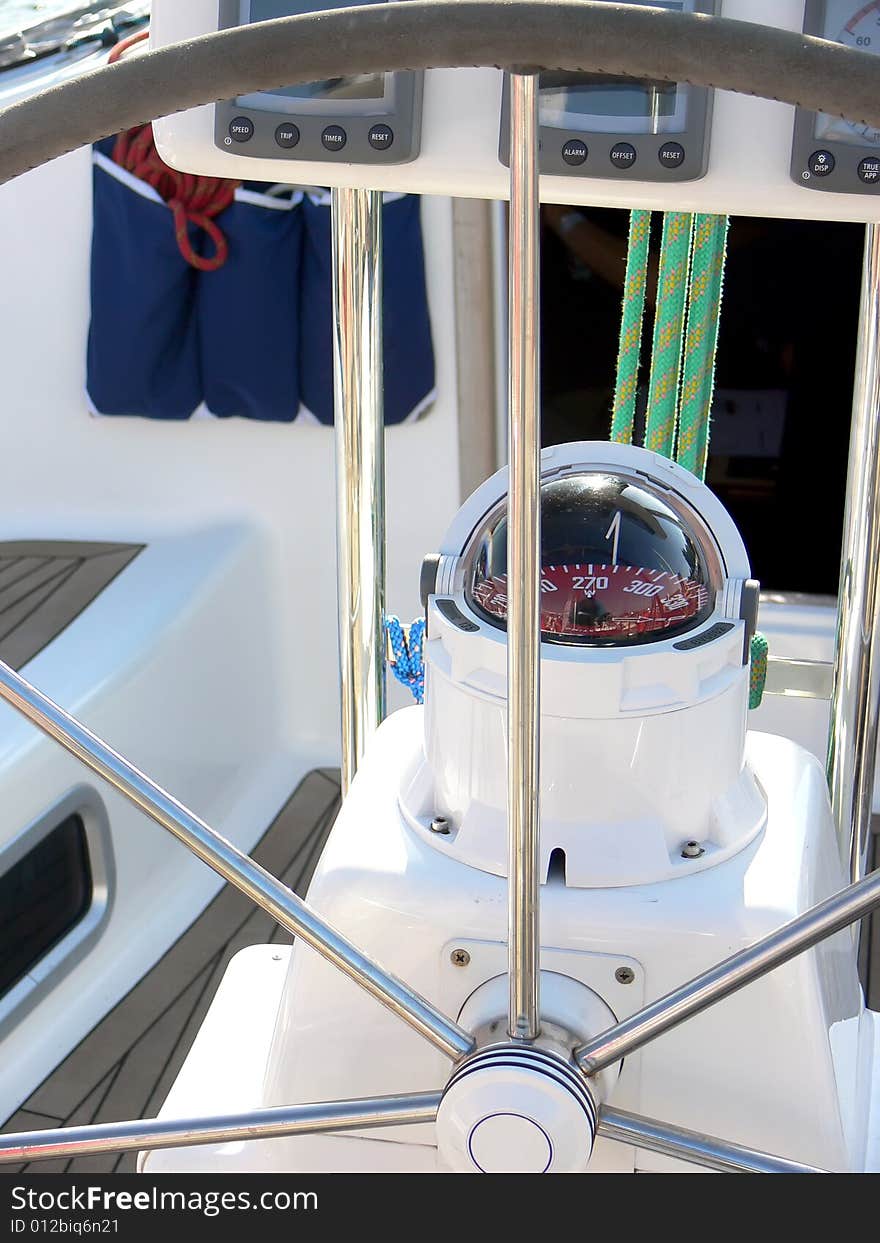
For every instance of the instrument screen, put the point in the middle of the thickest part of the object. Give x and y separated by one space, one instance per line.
830 152
359 86
619 128
362 118
855 26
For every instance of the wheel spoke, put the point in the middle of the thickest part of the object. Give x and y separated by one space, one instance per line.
673 1141
729 976
256 883
523 566
81 1141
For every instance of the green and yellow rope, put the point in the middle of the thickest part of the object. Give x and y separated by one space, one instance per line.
690 287
630 350
666 358
758 669
701 342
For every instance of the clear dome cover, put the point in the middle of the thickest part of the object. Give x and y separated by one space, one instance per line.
618 564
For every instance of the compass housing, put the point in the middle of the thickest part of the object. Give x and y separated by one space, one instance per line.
644 673
621 563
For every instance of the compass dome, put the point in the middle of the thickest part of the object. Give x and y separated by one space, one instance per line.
621 563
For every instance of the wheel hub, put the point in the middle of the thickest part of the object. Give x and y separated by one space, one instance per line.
517 1109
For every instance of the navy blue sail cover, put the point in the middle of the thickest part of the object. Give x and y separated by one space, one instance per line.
248 310
143 350
254 337
409 377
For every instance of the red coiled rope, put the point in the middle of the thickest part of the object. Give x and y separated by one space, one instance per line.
193 200
121 48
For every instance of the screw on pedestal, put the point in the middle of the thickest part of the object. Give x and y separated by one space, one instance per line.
440 825
692 850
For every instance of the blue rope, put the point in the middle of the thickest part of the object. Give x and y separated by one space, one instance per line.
408 665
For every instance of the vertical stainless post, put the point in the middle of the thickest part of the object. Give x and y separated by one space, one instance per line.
523 564
360 466
855 694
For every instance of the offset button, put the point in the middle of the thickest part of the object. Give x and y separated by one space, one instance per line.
575 152
287 135
381 137
623 155
671 154
869 170
821 163
241 129
334 138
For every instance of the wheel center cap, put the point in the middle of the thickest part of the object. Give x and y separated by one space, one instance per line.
517 1109
510 1144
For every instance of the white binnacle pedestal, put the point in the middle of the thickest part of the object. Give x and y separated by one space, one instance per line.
784 1066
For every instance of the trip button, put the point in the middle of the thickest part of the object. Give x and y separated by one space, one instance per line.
671 154
869 170
241 129
287 135
334 138
623 155
821 163
575 152
380 137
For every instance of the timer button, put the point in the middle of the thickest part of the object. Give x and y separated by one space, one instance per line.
241 129
287 135
821 163
671 154
380 137
575 152
623 155
334 138
869 170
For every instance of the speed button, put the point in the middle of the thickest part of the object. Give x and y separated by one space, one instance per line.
241 129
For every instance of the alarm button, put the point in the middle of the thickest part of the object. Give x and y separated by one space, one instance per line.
575 152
